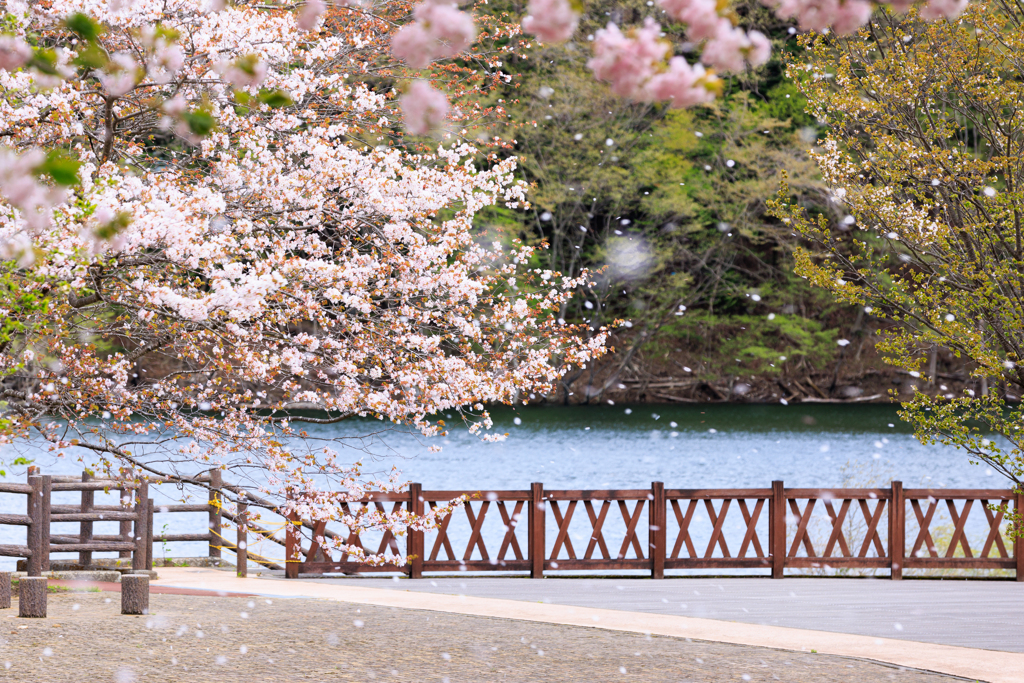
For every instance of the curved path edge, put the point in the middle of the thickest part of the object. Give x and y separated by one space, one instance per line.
983 665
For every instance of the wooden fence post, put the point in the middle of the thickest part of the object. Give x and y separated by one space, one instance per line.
5 590
126 527
214 513
135 594
1018 541
32 597
85 528
149 534
897 531
777 529
414 542
656 522
536 540
35 529
139 527
242 542
292 547
44 529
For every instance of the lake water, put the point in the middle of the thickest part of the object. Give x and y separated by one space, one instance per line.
692 446
580 447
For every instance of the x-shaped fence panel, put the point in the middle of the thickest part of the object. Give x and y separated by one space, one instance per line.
704 531
851 536
602 530
467 529
957 528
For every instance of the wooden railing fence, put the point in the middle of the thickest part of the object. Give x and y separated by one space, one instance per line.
132 541
828 530
771 528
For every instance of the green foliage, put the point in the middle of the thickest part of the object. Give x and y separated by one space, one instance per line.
754 344
275 98
668 207
20 300
199 122
61 167
85 26
923 148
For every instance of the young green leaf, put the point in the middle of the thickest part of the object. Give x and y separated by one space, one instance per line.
62 168
85 26
275 98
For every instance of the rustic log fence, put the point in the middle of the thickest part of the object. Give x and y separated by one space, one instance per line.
539 531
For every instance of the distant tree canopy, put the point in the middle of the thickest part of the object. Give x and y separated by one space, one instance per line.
925 154
672 203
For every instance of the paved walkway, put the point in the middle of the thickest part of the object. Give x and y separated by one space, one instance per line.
974 664
979 614
187 639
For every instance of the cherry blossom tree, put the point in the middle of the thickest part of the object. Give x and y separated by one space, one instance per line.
207 249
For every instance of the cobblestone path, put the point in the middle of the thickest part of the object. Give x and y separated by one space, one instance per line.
214 639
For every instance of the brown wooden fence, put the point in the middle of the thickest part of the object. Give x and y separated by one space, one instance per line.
772 529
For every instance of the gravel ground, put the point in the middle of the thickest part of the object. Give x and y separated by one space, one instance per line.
85 639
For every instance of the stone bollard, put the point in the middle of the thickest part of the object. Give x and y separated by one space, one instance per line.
135 594
32 596
5 590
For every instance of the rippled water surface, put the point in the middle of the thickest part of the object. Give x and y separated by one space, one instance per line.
686 447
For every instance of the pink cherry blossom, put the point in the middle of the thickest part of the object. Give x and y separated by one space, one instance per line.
309 14
939 9
245 72
627 63
21 188
452 29
414 45
844 17
14 52
440 31
122 77
552 21
700 16
166 61
760 49
424 108
682 85
732 48
291 223
851 15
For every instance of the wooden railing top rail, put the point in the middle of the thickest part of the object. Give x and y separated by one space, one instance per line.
839 494
701 494
612 494
96 485
959 494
